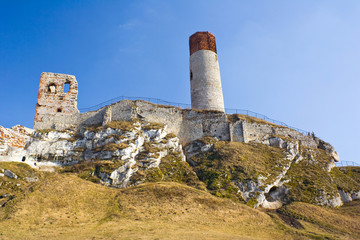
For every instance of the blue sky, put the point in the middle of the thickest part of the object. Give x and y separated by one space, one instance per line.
294 61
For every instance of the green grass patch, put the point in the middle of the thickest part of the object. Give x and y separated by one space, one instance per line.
347 178
230 162
309 178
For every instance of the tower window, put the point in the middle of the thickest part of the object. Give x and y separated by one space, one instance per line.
52 88
191 75
59 110
66 87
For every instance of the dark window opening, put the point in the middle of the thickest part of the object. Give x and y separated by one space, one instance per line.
59 110
66 87
191 75
52 88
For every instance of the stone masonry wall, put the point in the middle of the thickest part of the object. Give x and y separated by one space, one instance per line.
56 108
205 81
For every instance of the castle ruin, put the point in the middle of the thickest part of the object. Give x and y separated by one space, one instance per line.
57 98
57 109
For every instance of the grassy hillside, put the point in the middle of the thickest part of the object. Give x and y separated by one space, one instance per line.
225 164
64 206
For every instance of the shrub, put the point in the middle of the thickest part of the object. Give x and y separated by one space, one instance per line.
122 125
153 126
113 146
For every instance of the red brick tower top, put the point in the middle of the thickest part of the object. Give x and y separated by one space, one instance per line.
202 41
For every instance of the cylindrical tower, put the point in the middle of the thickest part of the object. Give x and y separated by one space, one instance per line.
205 82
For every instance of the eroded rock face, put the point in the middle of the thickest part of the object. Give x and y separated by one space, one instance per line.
279 136
122 154
136 146
13 139
298 174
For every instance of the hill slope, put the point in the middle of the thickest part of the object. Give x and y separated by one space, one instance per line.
64 206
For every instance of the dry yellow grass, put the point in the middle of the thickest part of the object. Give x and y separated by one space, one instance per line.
235 117
341 223
63 206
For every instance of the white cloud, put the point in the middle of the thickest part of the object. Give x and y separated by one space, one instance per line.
128 25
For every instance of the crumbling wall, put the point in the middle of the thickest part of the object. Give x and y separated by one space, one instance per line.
56 107
187 124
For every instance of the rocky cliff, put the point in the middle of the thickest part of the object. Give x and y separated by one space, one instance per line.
13 139
269 166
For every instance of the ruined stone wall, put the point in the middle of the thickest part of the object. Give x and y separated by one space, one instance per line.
190 125
55 107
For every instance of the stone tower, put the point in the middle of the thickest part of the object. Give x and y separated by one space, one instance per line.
57 101
205 82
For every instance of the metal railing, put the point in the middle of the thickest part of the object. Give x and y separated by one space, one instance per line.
188 106
347 164
152 100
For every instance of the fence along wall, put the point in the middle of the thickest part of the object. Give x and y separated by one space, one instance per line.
57 109
187 124
188 106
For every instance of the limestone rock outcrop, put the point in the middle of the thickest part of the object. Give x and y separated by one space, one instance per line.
233 156
268 173
131 147
13 138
